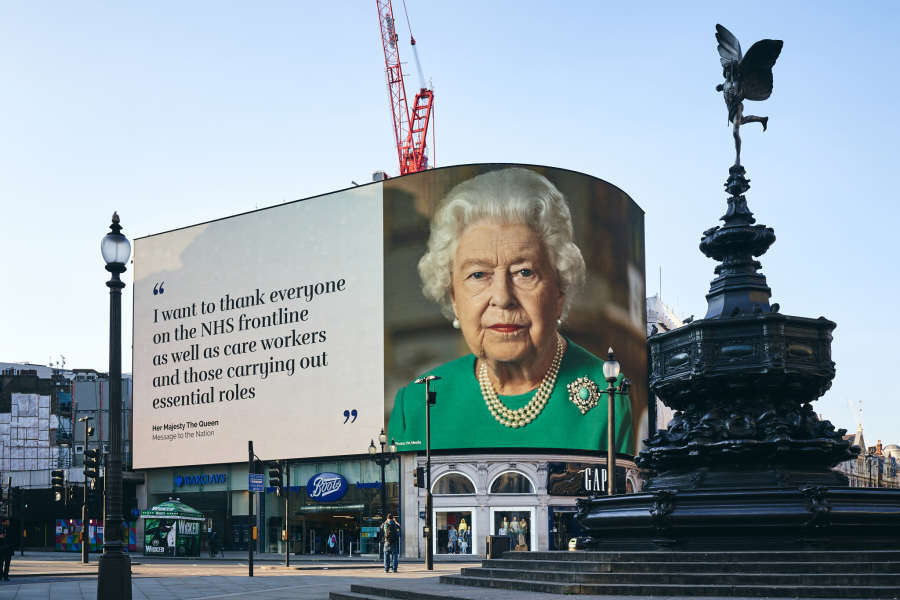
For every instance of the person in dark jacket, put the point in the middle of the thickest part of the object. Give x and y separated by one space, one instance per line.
9 541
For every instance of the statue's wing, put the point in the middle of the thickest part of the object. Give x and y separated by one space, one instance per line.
756 69
729 46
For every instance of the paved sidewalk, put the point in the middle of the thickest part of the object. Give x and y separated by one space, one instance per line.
201 581
183 580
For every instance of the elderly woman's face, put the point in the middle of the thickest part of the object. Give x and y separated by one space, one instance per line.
505 293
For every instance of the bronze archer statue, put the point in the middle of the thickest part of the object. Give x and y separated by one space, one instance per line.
746 78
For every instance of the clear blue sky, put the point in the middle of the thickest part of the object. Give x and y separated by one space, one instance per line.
174 113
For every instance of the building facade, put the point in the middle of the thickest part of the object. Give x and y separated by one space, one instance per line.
876 466
481 493
39 411
349 509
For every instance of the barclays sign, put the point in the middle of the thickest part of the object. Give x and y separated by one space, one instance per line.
198 479
326 487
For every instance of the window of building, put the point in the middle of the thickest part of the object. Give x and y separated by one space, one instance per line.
512 482
516 524
79 448
452 483
455 534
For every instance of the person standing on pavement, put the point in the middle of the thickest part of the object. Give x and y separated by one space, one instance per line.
332 542
391 532
9 541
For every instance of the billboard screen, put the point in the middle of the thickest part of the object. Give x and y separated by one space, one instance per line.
302 326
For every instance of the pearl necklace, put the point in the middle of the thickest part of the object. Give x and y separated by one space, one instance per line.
528 413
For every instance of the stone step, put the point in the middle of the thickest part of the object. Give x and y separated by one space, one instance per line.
352 596
692 567
684 556
641 589
734 579
403 591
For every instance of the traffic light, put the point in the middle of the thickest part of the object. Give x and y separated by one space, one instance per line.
91 464
73 495
17 500
92 492
276 476
58 482
419 477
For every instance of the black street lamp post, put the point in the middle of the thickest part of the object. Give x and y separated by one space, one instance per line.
114 571
611 373
382 461
430 400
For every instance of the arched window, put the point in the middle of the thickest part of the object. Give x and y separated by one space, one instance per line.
452 483
512 482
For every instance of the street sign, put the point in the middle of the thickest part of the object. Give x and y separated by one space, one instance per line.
256 482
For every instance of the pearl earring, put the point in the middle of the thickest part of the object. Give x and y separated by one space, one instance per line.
456 323
559 322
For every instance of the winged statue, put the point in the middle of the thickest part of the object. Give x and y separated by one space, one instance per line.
747 77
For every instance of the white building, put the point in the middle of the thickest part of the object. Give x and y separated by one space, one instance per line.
661 318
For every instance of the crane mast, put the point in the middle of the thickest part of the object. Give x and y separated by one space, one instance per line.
410 128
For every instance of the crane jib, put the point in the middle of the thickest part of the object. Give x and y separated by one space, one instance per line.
410 128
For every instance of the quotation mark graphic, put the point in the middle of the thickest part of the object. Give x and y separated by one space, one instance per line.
160 290
347 414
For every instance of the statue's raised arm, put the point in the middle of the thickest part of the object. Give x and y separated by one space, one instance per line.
747 77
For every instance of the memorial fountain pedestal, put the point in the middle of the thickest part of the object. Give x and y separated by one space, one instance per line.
745 463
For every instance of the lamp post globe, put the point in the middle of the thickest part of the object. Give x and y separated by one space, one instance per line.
382 438
372 449
114 571
611 368
115 247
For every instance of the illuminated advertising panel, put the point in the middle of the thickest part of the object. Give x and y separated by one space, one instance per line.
511 283
265 326
302 326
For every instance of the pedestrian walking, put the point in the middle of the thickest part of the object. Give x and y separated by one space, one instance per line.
391 532
9 541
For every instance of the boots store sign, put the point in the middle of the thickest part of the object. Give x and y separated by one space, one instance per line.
326 487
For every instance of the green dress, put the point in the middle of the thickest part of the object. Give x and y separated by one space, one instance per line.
461 419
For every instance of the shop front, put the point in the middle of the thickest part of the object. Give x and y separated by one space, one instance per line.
333 507
218 492
529 498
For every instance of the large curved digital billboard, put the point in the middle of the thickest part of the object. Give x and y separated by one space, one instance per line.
303 326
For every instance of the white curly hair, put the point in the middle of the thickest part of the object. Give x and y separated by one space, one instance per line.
513 195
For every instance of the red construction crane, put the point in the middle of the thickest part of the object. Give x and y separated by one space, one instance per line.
410 129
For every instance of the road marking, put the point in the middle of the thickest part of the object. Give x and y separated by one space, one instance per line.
258 591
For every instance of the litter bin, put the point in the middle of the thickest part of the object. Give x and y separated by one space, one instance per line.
497 545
